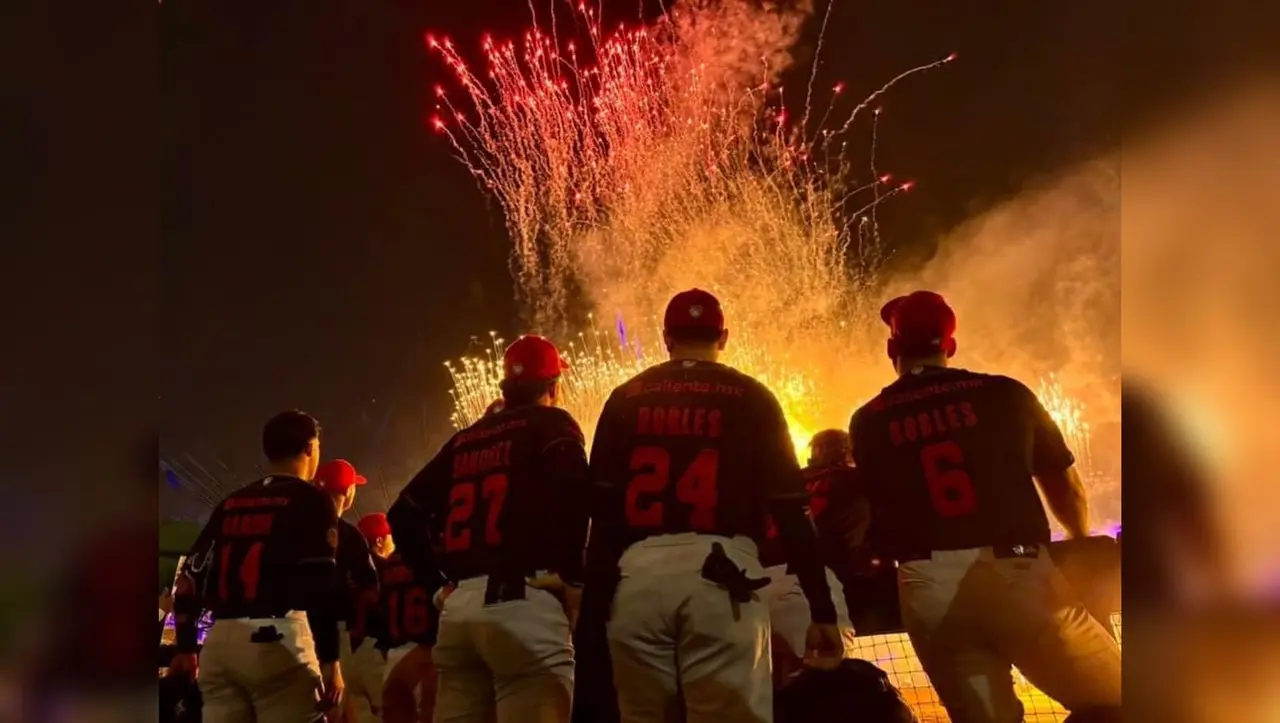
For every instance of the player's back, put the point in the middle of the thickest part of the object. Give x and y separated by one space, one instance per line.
499 497
687 440
263 535
404 605
949 457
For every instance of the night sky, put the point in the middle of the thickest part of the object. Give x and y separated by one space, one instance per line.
322 250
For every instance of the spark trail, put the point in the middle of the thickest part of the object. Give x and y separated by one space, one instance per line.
635 163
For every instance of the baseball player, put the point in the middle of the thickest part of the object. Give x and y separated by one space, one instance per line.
506 499
410 622
357 589
265 566
951 459
688 457
840 515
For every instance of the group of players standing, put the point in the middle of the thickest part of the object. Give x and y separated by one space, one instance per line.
669 570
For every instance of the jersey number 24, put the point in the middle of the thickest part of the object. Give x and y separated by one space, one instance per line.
651 474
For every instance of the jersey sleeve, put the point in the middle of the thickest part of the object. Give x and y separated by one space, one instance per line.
357 559
776 453
564 457
199 558
316 530
1049 451
606 528
429 488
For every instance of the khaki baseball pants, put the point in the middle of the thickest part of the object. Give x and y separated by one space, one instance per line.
274 681
674 635
971 616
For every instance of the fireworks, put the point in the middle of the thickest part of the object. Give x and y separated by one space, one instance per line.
637 163
1068 413
602 360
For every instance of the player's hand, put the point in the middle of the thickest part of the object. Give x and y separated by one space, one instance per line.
570 595
823 645
185 664
443 594
333 687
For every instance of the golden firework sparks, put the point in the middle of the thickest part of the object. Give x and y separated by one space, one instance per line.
634 164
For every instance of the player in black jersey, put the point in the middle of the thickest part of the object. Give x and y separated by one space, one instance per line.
409 622
264 565
951 459
357 585
688 458
506 501
838 508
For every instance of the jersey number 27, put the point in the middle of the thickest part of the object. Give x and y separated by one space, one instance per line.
462 506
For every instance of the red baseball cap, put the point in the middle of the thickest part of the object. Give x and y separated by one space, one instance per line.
337 476
373 526
693 310
921 319
532 358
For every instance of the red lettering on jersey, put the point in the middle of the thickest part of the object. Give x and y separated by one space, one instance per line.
253 525
678 421
476 462
931 423
397 574
240 503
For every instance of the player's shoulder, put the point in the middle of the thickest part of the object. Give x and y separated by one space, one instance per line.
1002 384
556 422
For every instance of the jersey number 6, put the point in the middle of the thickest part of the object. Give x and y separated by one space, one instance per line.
651 473
462 505
949 485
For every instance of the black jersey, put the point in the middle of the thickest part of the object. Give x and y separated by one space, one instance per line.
356 572
507 495
405 612
692 446
841 515
251 553
950 456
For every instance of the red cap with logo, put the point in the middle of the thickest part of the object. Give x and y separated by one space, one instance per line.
532 358
373 526
694 310
920 323
337 476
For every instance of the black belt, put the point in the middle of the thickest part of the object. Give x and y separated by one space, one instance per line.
1028 550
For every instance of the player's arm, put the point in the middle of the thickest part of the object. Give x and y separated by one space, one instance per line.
1053 466
605 494
416 516
315 579
359 561
188 603
788 502
565 461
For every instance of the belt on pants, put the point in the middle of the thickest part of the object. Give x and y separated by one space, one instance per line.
1000 552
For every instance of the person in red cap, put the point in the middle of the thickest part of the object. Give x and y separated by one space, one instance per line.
505 501
951 460
689 456
364 667
358 584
